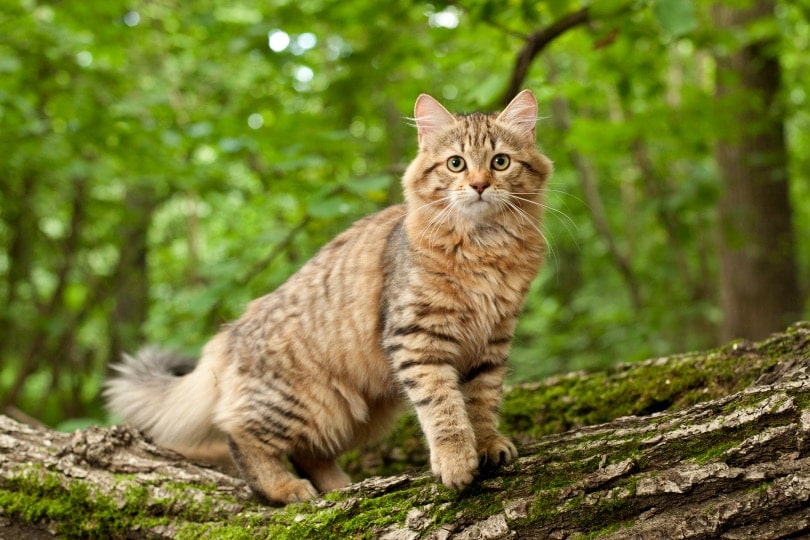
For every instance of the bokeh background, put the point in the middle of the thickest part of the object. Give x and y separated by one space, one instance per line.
164 162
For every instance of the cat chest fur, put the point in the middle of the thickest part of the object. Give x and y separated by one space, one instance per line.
451 303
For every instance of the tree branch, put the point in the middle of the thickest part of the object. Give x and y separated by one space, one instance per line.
734 465
535 43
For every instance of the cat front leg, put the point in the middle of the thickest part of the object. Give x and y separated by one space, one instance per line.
483 390
432 386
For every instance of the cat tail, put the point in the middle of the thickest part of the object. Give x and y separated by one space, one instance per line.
171 400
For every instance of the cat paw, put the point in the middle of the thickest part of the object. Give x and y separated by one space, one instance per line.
456 467
497 451
292 491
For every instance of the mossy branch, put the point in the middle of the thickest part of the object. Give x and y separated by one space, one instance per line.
705 445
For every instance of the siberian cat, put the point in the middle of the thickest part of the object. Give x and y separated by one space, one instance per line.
417 302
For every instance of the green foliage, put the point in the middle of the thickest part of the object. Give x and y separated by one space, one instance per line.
167 162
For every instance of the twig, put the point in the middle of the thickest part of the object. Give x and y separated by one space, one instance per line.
535 43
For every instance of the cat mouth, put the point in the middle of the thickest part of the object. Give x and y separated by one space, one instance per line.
477 206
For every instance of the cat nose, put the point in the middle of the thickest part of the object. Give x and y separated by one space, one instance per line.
479 186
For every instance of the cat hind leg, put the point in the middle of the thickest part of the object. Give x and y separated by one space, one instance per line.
266 472
325 473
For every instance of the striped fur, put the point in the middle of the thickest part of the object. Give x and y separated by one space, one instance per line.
417 303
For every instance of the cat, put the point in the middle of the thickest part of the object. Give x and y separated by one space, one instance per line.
416 303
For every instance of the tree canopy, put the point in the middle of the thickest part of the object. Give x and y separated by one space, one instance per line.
165 162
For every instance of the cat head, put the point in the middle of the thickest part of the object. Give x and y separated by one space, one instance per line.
476 166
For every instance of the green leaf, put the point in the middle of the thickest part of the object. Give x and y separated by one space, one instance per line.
328 208
677 17
608 8
487 92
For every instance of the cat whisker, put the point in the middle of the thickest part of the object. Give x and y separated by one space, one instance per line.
397 218
522 215
432 226
518 217
550 209
549 190
440 219
567 221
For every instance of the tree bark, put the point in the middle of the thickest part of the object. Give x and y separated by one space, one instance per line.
759 284
732 466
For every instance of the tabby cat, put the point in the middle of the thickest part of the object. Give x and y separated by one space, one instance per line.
418 301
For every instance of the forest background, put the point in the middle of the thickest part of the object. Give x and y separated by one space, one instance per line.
165 162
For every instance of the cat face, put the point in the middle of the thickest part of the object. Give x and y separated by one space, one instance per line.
473 167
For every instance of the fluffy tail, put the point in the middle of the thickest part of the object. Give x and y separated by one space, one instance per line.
167 397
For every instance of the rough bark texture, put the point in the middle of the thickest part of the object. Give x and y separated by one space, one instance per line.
719 447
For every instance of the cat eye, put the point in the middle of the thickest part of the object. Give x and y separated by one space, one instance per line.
500 162
456 164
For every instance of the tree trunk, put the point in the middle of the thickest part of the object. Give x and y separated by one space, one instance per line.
132 283
759 284
736 465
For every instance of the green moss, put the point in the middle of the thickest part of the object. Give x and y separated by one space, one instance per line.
39 496
761 489
563 403
472 503
802 401
604 531
374 514
545 507
348 516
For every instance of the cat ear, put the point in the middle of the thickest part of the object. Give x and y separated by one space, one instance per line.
430 115
521 113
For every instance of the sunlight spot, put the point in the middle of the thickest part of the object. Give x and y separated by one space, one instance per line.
84 58
304 74
278 40
132 18
52 227
336 48
205 154
306 41
255 121
43 14
447 18
357 128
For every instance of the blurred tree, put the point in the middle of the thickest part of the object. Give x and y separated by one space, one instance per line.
758 274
